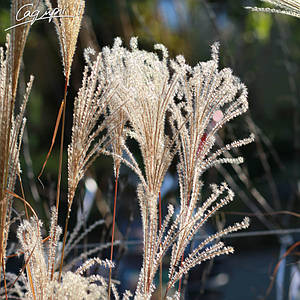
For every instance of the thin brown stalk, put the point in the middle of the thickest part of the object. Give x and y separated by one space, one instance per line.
160 264
273 277
62 141
113 229
23 194
57 122
30 276
59 176
182 257
63 247
180 281
24 201
4 278
4 161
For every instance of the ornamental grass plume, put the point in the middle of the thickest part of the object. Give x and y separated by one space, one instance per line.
19 35
285 7
67 29
170 109
149 90
11 133
198 102
88 136
115 123
210 98
39 282
88 132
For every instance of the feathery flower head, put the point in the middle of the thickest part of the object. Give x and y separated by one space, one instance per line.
11 134
209 99
147 89
68 28
90 106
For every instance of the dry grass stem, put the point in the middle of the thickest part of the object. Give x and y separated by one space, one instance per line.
11 132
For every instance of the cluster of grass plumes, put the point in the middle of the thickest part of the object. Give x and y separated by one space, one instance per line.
11 126
199 101
39 282
125 94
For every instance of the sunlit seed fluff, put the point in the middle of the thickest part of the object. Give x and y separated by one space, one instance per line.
89 107
19 36
285 7
142 87
92 261
206 90
38 282
29 235
127 295
11 134
68 28
147 88
210 98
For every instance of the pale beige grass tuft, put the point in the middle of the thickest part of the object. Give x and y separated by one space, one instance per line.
68 29
11 133
284 7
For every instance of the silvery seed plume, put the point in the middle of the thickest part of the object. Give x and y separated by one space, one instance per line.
68 29
19 36
39 283
285 7
11 132
112 69
210 247
29 235
149 89
88 137
210 99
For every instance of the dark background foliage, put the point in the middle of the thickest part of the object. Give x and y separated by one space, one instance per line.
263 50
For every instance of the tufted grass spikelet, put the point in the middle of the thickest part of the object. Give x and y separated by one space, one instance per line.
11 133
285 7
68 29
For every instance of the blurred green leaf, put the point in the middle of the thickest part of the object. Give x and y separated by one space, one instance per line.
261 25
4 23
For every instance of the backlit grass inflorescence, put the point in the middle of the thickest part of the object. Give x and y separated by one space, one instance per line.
196 103
11 133
285 7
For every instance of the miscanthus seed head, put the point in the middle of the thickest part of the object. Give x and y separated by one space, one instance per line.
285 7
67 28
